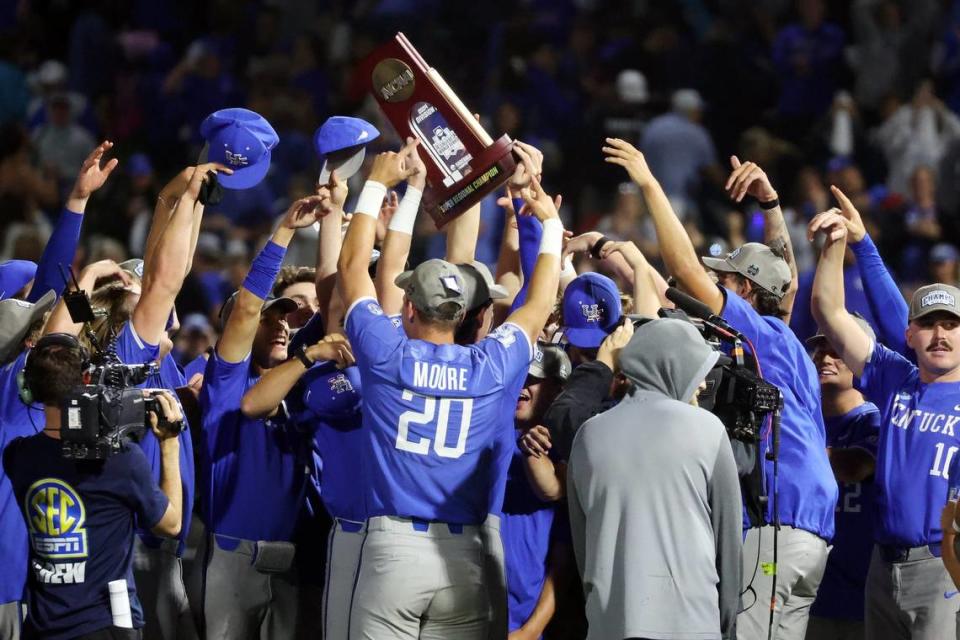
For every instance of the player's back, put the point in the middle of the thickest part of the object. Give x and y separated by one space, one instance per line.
431 417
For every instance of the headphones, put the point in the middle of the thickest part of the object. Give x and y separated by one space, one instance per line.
63 340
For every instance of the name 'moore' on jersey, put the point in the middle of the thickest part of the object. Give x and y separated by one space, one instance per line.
431 416
919 439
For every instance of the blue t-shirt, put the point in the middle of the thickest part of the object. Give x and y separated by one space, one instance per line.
432 416
525 529
918 442
170 377
80 519
808 490
841 591
14 423
195 366
253 473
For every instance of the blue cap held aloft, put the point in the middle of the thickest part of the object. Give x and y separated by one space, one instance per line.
242 140
341 145
591 310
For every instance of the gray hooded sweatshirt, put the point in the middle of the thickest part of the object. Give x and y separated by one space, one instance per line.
654 500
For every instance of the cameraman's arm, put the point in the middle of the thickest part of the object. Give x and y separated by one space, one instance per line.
170 483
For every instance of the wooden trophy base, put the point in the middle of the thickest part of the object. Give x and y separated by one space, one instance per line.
493 167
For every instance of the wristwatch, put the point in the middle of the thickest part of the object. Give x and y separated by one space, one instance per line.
301 354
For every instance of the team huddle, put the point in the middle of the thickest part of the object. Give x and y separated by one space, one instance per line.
377 450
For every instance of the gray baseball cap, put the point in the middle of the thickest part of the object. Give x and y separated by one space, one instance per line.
285 305
757 263
134 266
550 361
935 297
432 284
479 285
859 319
16 318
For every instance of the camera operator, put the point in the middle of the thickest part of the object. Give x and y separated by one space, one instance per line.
756 298
80 515
664 561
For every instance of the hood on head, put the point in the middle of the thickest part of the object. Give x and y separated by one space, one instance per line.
667 356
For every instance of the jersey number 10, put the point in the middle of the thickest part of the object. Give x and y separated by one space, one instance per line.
427 416
944 469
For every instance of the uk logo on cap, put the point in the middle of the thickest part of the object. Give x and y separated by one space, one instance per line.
242 140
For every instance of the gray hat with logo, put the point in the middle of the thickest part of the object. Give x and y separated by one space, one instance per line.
757 263
479 285
935 297
134 266
861 322
550 361
433 283
16 318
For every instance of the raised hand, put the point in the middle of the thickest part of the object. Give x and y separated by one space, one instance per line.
624 154
414 163
333 347
630 252
581 244
333 194
831 224
748 179
609 351
530 165
538 203
304 212
390 168
92 175
855 228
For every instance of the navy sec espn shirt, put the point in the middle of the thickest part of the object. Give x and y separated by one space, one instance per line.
80 519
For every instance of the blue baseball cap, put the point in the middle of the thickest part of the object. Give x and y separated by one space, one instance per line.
240 139
14 276
332 393
341 145
591 310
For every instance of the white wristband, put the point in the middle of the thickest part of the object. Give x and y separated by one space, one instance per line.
551 242
371 199
405 217
568 271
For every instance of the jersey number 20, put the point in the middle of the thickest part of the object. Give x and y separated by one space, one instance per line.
429 415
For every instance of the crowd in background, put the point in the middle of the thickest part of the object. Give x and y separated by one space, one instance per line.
862 95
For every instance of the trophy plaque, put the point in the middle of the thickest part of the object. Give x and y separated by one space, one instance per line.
463 162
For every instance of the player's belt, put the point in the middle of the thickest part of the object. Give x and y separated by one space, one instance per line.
893 553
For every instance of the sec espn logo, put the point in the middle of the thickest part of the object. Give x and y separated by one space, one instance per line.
55 518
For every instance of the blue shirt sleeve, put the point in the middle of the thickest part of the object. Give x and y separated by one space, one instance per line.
131 349
530 230
60 250
742 317
884 373
373 337
886 302
145 497
509 350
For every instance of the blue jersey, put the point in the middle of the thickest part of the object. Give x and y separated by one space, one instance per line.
919 438
253 473
432 417
808 490
15 422
79 518
170 377
526 532
841 591
195 366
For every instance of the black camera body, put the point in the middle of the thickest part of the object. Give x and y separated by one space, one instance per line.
98 418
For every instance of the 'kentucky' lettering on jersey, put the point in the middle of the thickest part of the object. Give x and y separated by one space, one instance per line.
439 377
904 417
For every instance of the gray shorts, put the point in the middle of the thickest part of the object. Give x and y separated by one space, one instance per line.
426 581
912 600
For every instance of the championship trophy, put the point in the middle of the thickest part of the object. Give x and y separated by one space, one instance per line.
463 162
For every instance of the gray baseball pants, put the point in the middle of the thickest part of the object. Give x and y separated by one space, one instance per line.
422 580
343 560
242 598
913 600
10 620
801 561
158 574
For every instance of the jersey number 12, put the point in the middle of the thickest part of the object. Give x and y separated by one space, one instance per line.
430 414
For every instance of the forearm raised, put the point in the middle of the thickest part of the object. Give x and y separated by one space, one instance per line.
170 481
264 397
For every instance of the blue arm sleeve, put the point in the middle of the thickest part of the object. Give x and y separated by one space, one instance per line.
886 303
60 250
530 231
